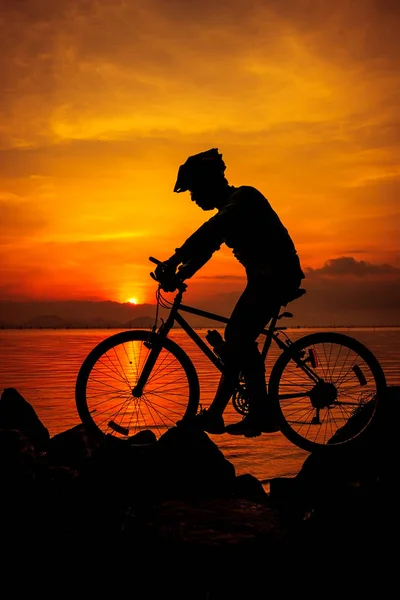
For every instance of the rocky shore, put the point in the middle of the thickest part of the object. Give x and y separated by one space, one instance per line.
149 517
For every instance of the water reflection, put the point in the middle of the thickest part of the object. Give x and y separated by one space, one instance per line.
43 366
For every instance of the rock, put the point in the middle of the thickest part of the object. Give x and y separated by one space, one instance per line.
343 506
189 464
17 413
71 448
174 510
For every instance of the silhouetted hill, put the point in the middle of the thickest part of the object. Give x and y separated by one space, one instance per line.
44 321
144 322
75 313
108 314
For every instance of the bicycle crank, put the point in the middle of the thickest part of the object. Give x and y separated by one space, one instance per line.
239 400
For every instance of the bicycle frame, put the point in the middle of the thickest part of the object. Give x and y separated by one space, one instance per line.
175 315
271 333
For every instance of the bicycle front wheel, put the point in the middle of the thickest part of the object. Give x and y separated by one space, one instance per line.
113 398
321 383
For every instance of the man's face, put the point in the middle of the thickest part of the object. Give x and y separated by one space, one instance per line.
206 197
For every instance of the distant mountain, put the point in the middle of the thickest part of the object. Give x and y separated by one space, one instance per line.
43 321
313 310
75 313
84 314
140 322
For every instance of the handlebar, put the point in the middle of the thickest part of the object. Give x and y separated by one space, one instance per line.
180 286
155 260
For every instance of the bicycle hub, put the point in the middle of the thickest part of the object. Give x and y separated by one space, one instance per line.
323 394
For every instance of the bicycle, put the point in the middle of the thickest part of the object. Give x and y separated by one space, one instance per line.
139 380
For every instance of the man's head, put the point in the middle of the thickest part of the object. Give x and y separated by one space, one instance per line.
203 175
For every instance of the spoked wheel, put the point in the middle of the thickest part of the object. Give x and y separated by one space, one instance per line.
112 398
327 388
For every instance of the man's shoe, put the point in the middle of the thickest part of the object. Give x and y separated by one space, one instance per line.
252 426
205 421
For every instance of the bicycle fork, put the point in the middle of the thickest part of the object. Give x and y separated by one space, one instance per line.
155 345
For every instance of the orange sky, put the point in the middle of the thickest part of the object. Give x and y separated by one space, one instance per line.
102 100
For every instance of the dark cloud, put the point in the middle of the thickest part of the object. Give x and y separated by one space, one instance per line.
347 265
332 303
334 295
342 291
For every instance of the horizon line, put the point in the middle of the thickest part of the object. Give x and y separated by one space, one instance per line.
177 326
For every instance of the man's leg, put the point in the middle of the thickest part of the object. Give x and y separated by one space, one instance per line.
251 314
227 381
240 352
253 370
240 329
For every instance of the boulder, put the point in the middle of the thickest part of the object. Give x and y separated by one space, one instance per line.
17 413
174 510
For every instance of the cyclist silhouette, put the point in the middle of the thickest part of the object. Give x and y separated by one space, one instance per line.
245 222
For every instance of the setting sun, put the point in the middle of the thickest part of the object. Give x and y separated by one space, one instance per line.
132 301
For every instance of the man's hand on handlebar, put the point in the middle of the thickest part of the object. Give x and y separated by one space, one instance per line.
170 283
165 274
164 270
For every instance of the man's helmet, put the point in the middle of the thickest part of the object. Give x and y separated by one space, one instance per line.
205 166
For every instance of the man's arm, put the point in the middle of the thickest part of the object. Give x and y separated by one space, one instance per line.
197 249
189 268
201 245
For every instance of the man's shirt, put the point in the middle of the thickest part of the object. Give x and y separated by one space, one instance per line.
248 224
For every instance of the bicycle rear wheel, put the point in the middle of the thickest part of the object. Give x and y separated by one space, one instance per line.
327 388
106 391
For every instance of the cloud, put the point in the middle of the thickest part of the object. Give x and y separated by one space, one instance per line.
92 69
19 219
334 300
342 291
348 266
103 99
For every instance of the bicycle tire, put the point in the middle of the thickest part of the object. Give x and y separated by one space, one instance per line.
327 416
103 391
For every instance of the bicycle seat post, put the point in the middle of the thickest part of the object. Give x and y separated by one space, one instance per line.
269 332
